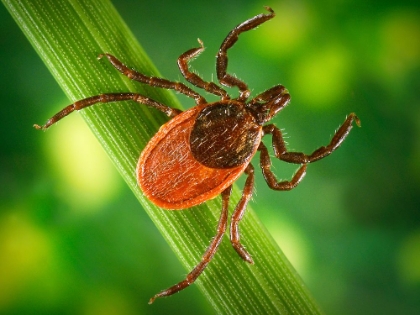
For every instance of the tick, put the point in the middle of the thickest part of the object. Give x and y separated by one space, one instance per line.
199 153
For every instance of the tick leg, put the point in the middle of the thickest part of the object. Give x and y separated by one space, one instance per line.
191 77
238 214
281 152
270 178
222 59
207 256
154 81
107 98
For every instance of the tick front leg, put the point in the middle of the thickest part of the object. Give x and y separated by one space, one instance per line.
208 255
270 178
108 98
222 59
238 214
281 152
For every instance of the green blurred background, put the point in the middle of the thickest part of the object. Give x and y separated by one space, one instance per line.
351 229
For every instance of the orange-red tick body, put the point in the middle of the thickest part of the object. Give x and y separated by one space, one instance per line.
169 174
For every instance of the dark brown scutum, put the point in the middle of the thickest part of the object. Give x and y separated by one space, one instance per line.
224 135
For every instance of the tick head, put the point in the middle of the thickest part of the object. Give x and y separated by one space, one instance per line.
267 104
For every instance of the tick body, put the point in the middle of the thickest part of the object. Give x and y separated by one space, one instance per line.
199 153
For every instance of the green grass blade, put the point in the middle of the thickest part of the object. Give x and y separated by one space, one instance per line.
68 36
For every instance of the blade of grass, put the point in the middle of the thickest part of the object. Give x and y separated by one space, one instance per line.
68 35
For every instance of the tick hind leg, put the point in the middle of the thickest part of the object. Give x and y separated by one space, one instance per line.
222 59
207 256
238 214
281 152
154 81
107 98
